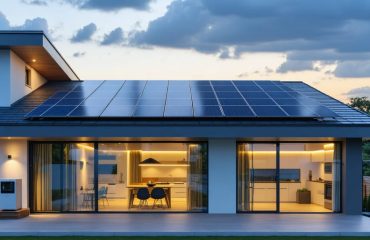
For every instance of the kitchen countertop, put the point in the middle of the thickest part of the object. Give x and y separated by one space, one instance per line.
316 181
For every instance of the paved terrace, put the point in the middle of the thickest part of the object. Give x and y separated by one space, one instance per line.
187 224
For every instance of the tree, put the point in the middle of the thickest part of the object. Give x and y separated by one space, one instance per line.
360 103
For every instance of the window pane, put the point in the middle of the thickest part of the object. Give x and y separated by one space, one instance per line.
63 177
165 177
317 187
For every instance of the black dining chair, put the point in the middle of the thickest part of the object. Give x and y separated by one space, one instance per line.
143 195
158 194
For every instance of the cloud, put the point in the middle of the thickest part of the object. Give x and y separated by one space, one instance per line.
109 5
115 37
36 24
35 2
79 54
84 34
295 66
334 29
353 69
359 92
4 23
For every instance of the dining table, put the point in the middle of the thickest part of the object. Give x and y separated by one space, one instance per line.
133 188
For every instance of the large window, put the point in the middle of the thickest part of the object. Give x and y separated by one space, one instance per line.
59 172
289 177
119 177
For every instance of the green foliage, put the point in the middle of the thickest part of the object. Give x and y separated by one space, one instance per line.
302 190
360 103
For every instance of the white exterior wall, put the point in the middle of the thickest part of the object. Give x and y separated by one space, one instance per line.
12 78
222 176
17 167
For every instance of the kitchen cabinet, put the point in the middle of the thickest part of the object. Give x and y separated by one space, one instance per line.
266 192
317 192
179 190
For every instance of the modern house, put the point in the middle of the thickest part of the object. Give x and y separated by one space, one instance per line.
171 146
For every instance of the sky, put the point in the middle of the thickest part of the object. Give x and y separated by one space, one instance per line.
323 43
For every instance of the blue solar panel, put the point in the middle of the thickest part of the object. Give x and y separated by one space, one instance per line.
70 101
261 101
253 95
268 111
252 88
58 111
237 111
179 102
119 111
38 111
87 111
228 95
149 111
176 111
181 99
232 101
205 101
207 111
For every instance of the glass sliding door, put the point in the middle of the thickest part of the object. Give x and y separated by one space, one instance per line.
61 173
309 177
119 177
289 177
142 177
257 175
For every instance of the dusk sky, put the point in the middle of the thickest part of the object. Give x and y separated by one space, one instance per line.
324 43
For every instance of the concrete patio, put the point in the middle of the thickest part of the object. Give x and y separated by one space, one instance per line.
187 225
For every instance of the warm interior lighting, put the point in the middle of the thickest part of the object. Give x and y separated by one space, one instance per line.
163 165
85 146
286 152
33 60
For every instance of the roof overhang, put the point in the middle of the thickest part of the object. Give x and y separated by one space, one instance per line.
36 50
137 130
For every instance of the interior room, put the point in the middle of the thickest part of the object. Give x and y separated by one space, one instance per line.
124 177
289 177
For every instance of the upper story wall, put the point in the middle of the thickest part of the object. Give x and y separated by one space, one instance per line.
13 76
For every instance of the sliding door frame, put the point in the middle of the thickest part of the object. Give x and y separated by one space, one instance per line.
96 175
277 144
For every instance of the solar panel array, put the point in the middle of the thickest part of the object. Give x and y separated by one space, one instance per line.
196 99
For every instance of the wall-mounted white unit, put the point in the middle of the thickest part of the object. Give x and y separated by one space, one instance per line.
10 194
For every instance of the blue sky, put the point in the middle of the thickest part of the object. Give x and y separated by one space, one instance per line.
324 43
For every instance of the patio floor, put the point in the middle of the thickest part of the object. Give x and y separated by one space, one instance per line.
187 225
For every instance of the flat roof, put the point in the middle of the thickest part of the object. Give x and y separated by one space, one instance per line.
36 50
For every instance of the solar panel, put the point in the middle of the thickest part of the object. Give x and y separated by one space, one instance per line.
237 111
207 111
269 111
246 99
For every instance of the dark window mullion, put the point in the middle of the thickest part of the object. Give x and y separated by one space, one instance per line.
277 177
96 176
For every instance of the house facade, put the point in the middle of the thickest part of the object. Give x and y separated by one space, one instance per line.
171 146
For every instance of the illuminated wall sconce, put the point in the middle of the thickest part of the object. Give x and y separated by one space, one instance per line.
10 157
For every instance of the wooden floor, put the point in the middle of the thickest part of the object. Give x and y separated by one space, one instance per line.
290 207
121 205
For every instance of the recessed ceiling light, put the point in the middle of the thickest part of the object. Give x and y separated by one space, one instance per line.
34 60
